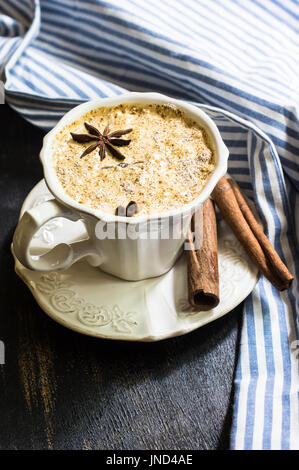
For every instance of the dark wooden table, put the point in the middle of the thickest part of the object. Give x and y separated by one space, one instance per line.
62 390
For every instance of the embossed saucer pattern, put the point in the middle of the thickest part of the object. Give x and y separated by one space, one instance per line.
85 299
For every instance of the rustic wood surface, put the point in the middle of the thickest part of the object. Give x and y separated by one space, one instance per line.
62 390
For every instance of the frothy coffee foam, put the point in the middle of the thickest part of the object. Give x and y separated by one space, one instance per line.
177 159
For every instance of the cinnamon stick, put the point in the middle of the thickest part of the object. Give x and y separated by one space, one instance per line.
203 276
277 264
248 234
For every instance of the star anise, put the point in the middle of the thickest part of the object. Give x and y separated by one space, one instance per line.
106 140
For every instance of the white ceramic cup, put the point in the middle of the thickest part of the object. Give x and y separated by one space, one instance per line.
137 256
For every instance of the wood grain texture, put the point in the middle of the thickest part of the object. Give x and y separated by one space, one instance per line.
61 390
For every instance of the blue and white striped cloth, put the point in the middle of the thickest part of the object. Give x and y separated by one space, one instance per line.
239 59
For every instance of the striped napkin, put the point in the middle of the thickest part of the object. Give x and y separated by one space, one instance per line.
239 60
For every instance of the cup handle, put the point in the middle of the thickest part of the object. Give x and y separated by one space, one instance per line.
63 255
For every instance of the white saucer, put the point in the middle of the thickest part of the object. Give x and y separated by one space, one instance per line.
91 302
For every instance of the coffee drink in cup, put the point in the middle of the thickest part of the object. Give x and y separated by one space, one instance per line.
133 159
